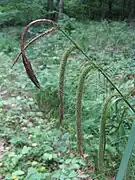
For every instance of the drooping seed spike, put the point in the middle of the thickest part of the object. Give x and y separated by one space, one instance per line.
53 29
61 80
26 62
30 71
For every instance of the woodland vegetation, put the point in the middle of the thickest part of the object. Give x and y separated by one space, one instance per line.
71 114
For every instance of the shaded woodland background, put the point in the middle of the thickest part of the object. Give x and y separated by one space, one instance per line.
14 12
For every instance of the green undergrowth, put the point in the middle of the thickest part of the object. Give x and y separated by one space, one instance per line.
34 147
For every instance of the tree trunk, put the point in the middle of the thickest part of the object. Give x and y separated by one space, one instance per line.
50 9
110 9
60 8
131 10
123 9
102 9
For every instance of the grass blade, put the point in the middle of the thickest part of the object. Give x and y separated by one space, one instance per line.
127 154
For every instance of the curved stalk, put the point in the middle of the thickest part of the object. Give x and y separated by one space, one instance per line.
26 62
102 134
79 107
31 41
61 80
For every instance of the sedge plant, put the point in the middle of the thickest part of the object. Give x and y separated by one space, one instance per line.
31 75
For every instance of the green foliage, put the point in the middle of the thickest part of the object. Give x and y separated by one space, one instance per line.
8 44
47 100
19 12
34 148
14 12
98 10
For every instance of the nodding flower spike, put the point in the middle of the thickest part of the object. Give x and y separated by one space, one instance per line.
30 71
26 62
32 40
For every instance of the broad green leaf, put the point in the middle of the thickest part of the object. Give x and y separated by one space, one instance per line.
26 149
41 169
72 174
127 154
82 176
56 174
68 161
18 173
32 170
74 166
33 174
47 156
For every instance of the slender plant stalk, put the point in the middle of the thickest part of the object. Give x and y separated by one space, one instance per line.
61 80
31 41
102 134
79 107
